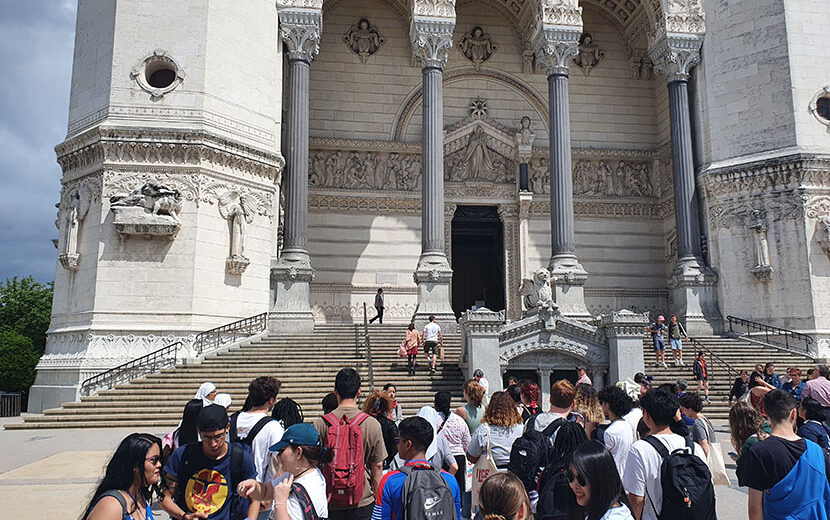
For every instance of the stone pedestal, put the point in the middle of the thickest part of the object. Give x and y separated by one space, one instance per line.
480 332
625 331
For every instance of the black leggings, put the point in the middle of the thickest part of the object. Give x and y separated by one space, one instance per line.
461 474
410 360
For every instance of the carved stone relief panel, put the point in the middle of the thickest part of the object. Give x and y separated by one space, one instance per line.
363 39
477 46
599 178
589 53
365 170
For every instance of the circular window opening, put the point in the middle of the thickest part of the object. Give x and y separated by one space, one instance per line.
823 107
160 72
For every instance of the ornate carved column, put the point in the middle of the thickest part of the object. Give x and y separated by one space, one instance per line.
556 42
292 273
692 281
431 38
509 215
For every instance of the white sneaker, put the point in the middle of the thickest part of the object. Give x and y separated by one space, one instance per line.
664 364
682 364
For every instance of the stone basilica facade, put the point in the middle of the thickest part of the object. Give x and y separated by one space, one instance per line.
225 159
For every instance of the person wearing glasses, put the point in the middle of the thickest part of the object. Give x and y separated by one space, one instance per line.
132 477
202 477
596 486
795 386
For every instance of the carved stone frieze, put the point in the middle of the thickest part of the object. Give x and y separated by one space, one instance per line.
103 348
348 203
439 8
775 175
560 12
598 178
685 16
89 151
477 46
365 170
300 31
732 213
363 39
431 41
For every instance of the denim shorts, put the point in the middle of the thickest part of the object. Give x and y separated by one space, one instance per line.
676 344
658 344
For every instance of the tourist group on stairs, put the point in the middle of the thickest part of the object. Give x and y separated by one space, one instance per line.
633 450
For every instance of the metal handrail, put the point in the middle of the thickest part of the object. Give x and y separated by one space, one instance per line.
730 370
368 348
227 334
792 340
126 372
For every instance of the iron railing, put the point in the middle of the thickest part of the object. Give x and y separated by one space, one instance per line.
147 364
369 366
214 339
772 335
11 404
731 371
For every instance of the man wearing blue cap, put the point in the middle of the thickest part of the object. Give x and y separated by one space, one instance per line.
300 486
202 476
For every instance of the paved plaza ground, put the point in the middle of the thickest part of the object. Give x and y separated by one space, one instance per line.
49 474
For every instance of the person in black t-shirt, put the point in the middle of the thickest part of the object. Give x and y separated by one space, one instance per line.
771 461
739 387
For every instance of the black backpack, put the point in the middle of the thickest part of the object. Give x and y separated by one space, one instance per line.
238 504
688 493
531 452
425 494
554 492
249 439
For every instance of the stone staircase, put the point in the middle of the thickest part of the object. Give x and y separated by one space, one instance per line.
306 365
740 354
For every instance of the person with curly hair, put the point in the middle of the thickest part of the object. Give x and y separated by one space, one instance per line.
587 405
501 425
618 436
474 409
747 429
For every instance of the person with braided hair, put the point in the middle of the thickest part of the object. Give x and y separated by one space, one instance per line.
503 497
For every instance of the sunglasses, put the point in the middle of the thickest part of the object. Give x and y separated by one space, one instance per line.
155 459
579 478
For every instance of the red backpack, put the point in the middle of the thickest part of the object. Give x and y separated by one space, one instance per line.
344 474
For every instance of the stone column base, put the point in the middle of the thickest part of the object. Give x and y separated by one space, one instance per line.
290 311
624 330
694 297
433 277
567 281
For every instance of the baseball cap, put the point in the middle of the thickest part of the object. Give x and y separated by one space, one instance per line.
211 418
300 434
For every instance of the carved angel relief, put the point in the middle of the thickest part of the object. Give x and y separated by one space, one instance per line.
239 210
363 39
477 46
589 54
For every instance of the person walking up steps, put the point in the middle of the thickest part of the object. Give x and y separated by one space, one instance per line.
432 338
378 307
676 336
411 343
656 329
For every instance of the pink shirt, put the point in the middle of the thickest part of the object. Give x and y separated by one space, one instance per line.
584 379
818 389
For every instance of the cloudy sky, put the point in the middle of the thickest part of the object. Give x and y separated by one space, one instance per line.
36 42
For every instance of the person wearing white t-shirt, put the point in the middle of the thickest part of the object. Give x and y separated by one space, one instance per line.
619 436
432 337
299 455
478 375
633 419
262 395
642 478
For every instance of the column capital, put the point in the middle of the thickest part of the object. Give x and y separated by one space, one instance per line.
675 55
431 40
300 31
555 46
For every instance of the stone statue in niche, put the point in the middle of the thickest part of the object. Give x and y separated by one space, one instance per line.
536 292
239 210
824 233
525 136
589 54
152 209
539 176
363 39
73 216
477 46
762 269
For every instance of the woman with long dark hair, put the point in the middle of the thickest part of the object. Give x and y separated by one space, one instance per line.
186 432
288 412
379 404
132 476
597 490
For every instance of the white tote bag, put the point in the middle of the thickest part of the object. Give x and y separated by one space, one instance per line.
715 459
483 469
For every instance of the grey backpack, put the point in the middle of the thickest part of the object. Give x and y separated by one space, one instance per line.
426 495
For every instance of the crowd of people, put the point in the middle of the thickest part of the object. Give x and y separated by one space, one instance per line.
628 451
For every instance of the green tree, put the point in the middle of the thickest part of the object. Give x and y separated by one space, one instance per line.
18 359
26 308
